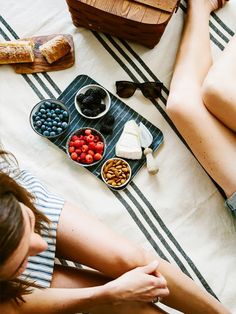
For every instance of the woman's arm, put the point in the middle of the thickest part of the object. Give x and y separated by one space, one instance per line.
139 284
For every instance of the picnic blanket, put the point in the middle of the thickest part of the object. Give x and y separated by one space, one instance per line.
178 213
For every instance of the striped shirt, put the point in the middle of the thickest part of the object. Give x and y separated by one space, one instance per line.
40 267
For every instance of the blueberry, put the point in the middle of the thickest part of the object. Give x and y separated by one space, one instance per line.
39 114
42 110
52 111
44 116
60 116
52 133
47 104
49 123
59 123
37 118
43 127
59 130
57 111
65 114
53 105
64 125
42 106
54 122
49 119
57 119
46 133
34 116
49 129
49 114
54 115
54 128
38 123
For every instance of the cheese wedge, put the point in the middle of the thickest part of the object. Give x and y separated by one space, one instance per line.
128 145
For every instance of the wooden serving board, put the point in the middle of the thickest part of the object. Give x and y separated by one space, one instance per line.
40 64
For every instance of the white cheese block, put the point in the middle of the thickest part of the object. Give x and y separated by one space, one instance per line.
128 145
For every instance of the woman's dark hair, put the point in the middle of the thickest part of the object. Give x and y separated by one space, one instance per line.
12 229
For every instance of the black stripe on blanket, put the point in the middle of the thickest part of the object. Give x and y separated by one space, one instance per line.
12 32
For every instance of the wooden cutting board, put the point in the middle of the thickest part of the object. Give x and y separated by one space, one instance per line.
40 64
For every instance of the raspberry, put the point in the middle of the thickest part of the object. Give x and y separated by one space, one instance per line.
78 143
87 132
92 146
71 149
88 159
91 152
74 138
82 156
71 143
78 151
99 147
90 138
74 156
84 148
97 156
96 138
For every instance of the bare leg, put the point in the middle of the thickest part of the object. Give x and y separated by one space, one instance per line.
219 87
83 239
210 140
67 277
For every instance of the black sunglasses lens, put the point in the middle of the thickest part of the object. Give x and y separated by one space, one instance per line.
125 89
151 90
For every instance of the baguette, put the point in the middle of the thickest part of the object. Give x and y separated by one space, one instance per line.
55 48
16 52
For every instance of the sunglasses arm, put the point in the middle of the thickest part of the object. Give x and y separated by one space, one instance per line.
151 164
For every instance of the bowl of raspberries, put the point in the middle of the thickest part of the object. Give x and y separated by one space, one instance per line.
92 101
50 118
86 146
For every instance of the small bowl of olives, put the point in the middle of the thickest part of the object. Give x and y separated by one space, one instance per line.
50 118
92 101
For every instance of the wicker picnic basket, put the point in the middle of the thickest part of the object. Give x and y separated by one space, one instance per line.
141 21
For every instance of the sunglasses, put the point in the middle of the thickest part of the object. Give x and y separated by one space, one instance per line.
151 90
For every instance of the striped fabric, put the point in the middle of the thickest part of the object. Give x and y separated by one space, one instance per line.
180 214
40 267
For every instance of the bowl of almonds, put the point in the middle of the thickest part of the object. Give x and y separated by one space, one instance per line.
116 173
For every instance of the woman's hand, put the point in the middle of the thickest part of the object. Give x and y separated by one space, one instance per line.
142 284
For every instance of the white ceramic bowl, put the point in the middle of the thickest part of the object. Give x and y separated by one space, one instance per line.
35 110
79 132
106 100
108 181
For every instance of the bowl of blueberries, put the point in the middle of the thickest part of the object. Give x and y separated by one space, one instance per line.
49 118
92 101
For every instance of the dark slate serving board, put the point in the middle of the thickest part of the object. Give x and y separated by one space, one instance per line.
122 114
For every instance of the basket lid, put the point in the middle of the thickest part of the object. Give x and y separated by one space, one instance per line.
144 11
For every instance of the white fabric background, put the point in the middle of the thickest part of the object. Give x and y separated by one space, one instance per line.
182 194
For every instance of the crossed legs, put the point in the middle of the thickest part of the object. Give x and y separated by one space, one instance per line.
202 102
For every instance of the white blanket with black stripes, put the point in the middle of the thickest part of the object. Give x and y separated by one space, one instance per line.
179 213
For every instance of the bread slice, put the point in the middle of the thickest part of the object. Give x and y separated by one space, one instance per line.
16 52
55 48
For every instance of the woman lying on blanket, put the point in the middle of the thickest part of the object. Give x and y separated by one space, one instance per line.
202 100
35 225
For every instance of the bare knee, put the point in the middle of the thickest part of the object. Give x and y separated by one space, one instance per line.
212 92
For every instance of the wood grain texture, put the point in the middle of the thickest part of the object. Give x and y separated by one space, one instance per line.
40 64
125 19
164 5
